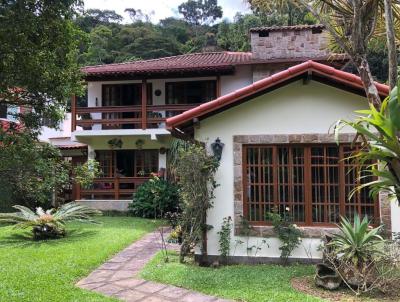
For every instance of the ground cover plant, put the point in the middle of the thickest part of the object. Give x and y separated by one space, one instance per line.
47 270
240 282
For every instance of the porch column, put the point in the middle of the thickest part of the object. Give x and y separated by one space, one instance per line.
144 104
218 86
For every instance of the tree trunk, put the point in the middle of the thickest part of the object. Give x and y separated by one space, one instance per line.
391 44
371 91
204 250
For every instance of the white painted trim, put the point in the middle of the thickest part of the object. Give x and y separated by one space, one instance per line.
119 132
104 200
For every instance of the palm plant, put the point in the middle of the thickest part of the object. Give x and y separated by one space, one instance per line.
356 242
51 223
380 153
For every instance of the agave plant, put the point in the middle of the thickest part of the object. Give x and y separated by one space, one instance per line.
356 243
51 223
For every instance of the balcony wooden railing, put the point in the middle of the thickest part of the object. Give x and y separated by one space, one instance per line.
128 117
114 188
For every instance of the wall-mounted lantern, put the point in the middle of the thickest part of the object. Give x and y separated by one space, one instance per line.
217 148
157 92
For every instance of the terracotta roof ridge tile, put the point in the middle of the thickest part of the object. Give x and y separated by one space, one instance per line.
286 27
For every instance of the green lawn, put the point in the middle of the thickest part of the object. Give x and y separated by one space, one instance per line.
261 283
47 271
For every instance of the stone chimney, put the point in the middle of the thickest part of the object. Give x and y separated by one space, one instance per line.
289 42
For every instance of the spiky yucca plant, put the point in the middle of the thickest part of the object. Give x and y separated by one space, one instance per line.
51 223
356 242
356 253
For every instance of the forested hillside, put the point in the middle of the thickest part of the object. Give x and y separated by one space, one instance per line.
200 27
111 39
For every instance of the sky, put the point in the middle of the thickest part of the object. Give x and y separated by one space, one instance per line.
162 8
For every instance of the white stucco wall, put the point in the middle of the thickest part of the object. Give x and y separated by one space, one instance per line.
293 109
242 78
64 130
395 216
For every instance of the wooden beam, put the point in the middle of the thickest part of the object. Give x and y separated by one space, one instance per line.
73 113
218 86
144 104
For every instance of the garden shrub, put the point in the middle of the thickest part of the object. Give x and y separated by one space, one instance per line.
288 233
195 171
225 237
154 198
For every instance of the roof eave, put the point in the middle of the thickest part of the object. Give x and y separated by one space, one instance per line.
345 78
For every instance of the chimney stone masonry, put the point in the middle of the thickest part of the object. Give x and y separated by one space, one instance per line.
289 42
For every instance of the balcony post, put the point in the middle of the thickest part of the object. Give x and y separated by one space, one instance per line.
77 191
73 113
144 104
218 86
116 188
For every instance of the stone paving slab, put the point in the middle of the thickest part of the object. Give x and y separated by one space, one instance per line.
118 277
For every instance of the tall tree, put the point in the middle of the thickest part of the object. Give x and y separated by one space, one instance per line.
281 13
199 12
351 25
38 56
39 71
391 43
137 15
94 17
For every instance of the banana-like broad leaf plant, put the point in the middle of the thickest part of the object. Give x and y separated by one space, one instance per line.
379 155
51 223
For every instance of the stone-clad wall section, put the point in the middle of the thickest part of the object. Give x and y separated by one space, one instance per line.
283 44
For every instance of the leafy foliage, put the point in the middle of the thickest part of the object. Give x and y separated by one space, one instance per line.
225 237
356 242
154 198
35 174
380 153
195 170
281 12
200 11
51 223
288 233
38 55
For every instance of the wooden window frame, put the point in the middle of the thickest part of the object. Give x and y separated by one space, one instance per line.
167 95
149 93
307 183
112 161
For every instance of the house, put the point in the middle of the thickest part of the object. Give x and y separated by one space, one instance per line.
122 120
279 156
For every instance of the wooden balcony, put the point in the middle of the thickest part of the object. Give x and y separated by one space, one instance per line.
112 188
125 117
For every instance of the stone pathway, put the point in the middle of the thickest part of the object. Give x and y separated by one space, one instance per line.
119 278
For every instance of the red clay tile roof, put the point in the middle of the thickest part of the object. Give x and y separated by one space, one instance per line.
321 70
196 62
188 62
281 28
